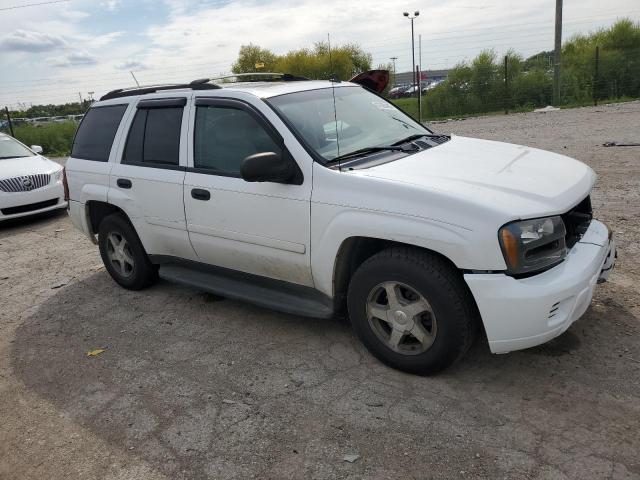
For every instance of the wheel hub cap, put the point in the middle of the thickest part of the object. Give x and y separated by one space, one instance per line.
401 318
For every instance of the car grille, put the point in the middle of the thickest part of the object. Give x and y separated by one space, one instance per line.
25 183
577 221
29 208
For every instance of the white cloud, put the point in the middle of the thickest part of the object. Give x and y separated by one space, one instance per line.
102 40
131 65
28 41
110 5
74 59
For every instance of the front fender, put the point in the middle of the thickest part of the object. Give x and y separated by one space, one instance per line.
333 225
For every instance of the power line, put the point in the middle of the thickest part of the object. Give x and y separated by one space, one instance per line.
15 7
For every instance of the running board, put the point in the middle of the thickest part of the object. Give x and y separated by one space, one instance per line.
264 292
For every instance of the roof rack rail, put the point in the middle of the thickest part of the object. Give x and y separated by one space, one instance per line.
203 84
258 77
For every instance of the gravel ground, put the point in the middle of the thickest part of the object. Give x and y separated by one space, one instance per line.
194 386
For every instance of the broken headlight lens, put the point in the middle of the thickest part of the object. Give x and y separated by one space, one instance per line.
530 246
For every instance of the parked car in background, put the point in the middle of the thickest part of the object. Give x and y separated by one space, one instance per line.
29 182
321 198
431 85
39 121
396 90
410 91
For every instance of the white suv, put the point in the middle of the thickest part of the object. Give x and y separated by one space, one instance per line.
320 198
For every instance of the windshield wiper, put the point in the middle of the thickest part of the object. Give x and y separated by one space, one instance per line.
13 156
410 138
367 150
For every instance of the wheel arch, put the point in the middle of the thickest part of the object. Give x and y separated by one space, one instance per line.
97 210
354 251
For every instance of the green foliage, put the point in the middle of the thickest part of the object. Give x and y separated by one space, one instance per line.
480 87
317 63
250 55
74 108
54 138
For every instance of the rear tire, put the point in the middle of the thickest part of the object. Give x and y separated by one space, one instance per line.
123 255
412 310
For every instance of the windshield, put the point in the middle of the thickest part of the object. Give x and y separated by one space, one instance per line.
359 120
10 148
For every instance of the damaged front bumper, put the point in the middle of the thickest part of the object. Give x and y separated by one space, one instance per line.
522 313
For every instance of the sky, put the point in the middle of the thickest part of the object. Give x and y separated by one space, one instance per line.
59 51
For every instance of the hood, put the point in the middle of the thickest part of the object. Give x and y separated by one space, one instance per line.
15 167
517 180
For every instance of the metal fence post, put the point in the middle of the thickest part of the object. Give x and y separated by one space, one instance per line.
6 110
506 84
596 81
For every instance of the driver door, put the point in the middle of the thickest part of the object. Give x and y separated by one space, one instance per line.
257 228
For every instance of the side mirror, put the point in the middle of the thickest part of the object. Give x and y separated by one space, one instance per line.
36 148
267 167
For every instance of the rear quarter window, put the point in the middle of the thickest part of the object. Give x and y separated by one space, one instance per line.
96 133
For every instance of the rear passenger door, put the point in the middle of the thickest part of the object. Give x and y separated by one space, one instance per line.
147 183
258 228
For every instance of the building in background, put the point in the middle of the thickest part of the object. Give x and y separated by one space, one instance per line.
428 76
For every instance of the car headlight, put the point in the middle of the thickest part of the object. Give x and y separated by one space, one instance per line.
530 246
57 175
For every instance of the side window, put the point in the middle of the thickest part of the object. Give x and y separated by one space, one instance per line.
225 136
154 137
96 133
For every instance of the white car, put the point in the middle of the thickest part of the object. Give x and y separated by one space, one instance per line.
29 182
320 198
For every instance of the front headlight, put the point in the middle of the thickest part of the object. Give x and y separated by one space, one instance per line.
57 175
533 245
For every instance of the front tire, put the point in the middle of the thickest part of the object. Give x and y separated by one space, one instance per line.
412 310
123 254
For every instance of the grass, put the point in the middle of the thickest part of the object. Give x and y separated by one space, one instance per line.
54 138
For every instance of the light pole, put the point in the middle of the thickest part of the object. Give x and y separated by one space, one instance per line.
416 79
413 41
393 59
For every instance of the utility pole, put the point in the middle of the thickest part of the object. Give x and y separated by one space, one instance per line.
419 95
557 54
420 78
420 56
393 59
80 95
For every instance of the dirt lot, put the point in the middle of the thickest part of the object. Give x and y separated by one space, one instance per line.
192 386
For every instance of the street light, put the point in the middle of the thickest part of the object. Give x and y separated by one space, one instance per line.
416 80
413 41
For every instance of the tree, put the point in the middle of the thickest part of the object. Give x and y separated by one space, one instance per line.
317 62
252 55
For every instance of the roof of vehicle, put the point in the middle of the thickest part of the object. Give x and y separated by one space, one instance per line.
261 89
273 89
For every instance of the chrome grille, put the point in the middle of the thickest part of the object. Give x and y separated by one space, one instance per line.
25 183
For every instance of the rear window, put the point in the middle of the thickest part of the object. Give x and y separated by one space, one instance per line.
96 133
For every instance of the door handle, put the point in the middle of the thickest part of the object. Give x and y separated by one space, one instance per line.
124 183
200 194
